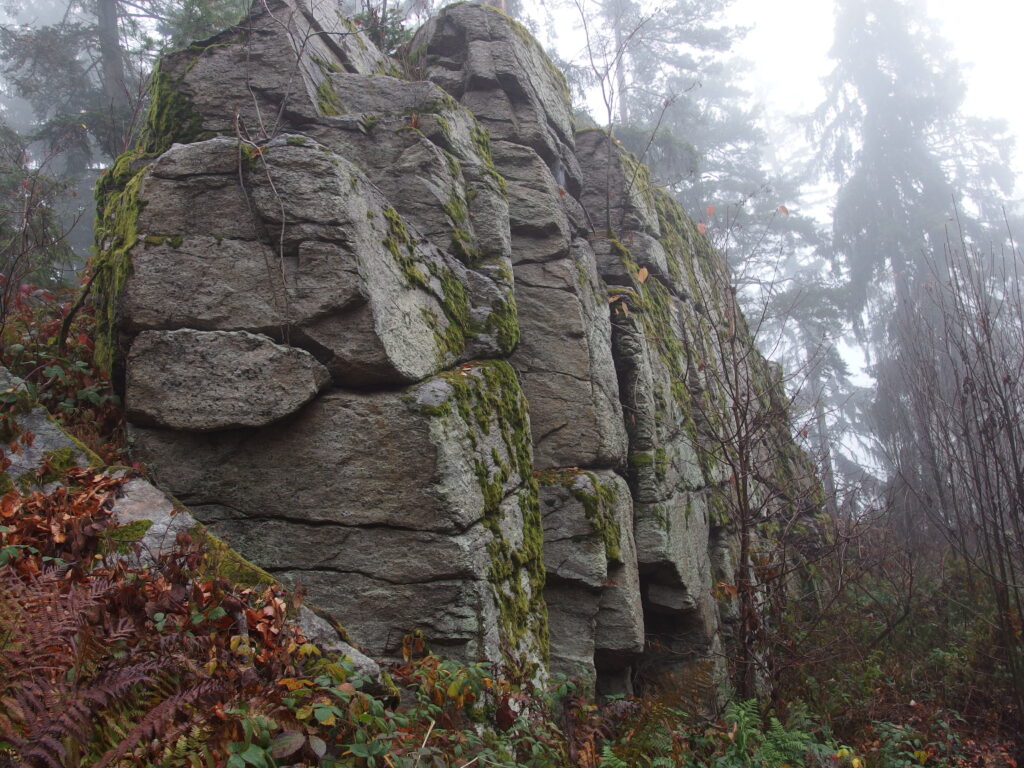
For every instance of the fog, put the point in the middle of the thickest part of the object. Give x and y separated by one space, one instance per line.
833 151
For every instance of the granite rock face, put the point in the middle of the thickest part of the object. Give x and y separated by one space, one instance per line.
210 380
412 341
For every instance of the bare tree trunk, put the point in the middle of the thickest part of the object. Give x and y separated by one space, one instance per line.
821 436
114 76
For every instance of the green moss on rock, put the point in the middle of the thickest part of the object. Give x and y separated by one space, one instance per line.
221 561
503 324
327 100
598 501
482 142
120 538
485 397
174 241
172 117
116 232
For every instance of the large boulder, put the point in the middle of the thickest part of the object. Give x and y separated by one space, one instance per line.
299 272
440 526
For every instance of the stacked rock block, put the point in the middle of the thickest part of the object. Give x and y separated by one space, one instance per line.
564 358
307 287
425 349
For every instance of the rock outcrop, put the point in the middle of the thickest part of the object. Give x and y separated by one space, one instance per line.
417 344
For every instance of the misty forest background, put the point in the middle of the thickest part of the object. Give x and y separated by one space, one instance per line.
873 247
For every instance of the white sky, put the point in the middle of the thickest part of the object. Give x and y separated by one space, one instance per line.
790 40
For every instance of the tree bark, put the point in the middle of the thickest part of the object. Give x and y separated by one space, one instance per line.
114 75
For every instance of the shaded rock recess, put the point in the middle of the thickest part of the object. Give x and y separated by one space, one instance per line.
414 342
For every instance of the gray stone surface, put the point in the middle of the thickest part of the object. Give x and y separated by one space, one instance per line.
574 551
288 47
497 70
320 631
619 628
47 438
564 358
347 279
428 156
644 250
617 196
539 226
572 611
593 590
209 380
312 499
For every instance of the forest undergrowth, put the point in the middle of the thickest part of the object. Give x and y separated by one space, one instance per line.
108 662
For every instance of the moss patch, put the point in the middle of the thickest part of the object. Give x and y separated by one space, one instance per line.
598 501
327 100
116 231
221 561
482 142
485 397
121 538
172 117
174 241
503 324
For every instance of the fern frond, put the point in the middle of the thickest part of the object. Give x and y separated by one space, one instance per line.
610 760
155 722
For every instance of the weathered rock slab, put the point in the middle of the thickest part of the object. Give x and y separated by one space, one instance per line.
564 358
203 381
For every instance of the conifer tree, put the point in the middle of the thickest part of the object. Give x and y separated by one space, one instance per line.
905 158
